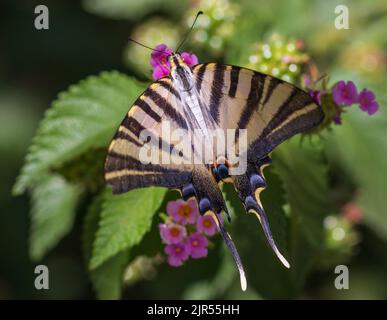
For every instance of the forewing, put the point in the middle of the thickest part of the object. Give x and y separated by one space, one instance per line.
124 167
271 109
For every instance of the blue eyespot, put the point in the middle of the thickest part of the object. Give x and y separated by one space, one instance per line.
188 191
250 203
257 181
222 171
204 205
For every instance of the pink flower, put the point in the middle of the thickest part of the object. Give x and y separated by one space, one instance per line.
345 93
207 225
196 246
160 64
172 233
367 102
160 55
160 72
177 254
183 212
316 95
190 59
159 61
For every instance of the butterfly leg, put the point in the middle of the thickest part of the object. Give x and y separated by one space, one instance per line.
249 186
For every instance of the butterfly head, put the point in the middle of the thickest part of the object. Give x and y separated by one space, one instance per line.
180 72
175 59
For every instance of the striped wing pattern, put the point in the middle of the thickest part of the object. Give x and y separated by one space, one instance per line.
123 169
270 109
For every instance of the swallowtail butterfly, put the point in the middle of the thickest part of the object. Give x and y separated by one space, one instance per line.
208 97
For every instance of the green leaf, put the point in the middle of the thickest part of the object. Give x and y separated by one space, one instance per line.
360 148
125 218
86 116
302 169
52 214
304 174
107 279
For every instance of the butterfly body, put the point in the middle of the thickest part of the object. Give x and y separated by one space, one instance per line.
262 110
184 80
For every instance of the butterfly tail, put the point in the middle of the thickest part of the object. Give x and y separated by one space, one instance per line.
204 188
231 246
249 187
253 207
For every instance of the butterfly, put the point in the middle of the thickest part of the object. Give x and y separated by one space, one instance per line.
197 101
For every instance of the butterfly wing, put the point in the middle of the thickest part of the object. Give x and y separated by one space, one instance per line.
173 168
124 170
271 110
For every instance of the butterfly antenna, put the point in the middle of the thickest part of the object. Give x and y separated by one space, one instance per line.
189 31
320 78
143 45
231 246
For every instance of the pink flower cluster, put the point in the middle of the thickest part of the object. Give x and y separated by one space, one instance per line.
346 94
185 232
160 64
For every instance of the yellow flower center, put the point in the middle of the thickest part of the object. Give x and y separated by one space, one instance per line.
174 231
195 243
185 210
207 223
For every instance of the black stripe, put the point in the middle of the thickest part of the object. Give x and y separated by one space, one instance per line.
272 85
167 107
263 145
117 162
200 76
234 79
123 135
148 110
161 143
175 61
183 75
216 91
255 94
168 86
168 179
297 100
133 125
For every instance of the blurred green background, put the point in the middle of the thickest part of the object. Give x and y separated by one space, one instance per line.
90 36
